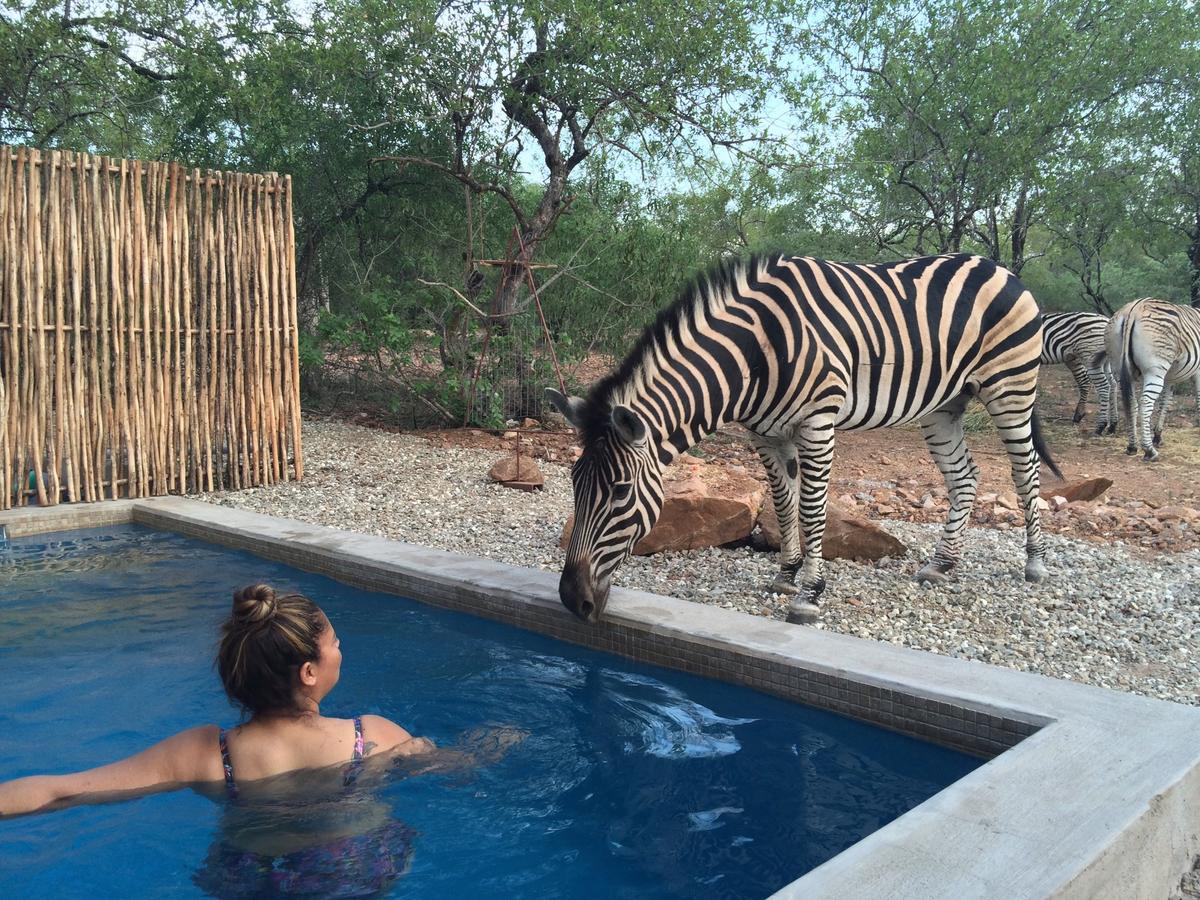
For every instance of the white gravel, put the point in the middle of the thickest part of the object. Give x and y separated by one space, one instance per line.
1106 617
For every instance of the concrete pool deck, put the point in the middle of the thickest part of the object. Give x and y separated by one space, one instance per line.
1087 792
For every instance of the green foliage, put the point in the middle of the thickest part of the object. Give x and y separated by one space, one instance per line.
633 145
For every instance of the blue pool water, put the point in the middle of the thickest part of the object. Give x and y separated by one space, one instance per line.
635 781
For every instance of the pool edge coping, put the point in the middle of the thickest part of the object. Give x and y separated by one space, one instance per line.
1117 787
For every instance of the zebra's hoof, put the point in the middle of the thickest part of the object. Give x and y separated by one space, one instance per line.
1100 429
1035 571
1112 428
1158 439
1151 455
1078 417
933 573
1131 449
803 613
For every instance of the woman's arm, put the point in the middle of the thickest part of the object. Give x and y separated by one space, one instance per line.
380 734
478 747
185 758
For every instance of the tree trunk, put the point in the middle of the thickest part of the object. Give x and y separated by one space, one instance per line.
540 224
1020 231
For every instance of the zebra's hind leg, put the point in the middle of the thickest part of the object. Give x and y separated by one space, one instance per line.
1012 411
1153 384
1164 403
943 433
1132 416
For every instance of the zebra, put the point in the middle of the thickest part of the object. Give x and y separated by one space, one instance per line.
1076 339
1156 344
794 348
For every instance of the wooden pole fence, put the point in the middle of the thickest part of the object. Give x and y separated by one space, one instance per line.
148 329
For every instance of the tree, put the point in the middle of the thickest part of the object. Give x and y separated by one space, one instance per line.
1174 195
1087 218
576 83
962 112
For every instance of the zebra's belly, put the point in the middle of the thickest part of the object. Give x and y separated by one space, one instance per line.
878 403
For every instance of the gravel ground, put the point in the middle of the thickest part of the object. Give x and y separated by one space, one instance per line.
1106 617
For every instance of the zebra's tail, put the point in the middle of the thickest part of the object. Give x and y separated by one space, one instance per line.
1039 444
1125 375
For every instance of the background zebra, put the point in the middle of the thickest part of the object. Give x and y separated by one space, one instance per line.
1076 339
1154 344
794 348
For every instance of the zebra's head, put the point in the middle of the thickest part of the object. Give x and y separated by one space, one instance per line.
618 496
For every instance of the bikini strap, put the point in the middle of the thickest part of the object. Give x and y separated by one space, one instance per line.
230 785
355 765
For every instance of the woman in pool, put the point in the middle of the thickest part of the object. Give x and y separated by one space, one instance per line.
279 657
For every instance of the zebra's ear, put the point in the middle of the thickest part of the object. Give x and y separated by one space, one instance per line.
629 425
570 407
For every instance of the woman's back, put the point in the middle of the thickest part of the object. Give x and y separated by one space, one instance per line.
265 748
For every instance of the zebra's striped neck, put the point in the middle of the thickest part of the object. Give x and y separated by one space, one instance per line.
678 377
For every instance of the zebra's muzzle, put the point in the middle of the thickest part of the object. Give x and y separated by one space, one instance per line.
579 594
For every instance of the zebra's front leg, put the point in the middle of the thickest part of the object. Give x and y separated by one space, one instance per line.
1105 402
816 459
1080 373
943 433
779 459
799 486
1114 415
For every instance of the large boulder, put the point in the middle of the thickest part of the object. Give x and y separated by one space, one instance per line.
847 536
1078 491
703 506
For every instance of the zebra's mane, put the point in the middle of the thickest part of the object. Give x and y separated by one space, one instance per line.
708 288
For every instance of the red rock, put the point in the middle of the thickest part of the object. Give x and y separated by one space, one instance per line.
1008 500
517 471
847 536
1076 491
1177 514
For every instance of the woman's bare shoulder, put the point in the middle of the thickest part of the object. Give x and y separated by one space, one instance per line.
197 753
383 734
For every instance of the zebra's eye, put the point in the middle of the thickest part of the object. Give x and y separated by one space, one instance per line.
621 491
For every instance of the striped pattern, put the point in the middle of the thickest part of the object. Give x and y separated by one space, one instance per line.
1076 340
795 349
1154 345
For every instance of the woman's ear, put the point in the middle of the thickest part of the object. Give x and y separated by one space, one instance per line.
308 674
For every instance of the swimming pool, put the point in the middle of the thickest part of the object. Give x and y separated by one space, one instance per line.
636 781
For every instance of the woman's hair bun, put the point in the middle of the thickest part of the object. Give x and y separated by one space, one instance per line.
254 603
